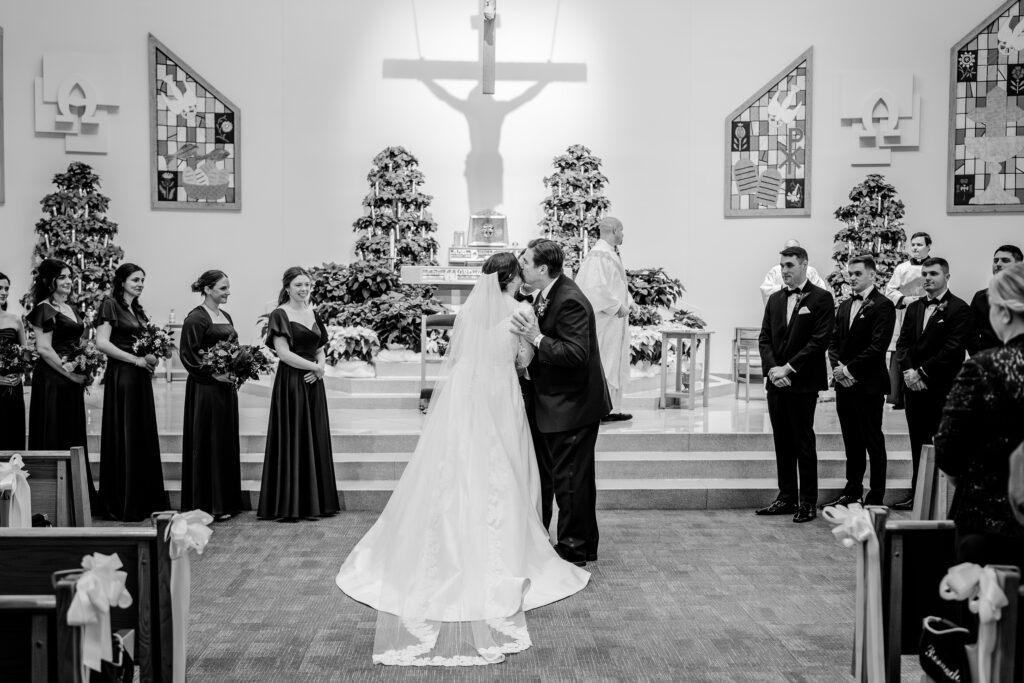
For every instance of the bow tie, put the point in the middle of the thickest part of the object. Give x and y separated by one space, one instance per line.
857 297
792 292
932 302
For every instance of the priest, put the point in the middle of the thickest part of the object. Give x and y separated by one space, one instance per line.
603 279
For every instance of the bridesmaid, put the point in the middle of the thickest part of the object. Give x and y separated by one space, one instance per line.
211 471
131 480
56 412
298 466
12 394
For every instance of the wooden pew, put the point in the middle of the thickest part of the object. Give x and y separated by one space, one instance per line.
934 491
59 485
915 556
28 558
25 625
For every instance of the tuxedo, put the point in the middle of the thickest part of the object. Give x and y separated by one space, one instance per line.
859 343
569 399
936 350
801 342
983 337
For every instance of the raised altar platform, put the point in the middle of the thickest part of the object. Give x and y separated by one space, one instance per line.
715 457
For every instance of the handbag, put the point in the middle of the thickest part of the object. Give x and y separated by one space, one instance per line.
943 651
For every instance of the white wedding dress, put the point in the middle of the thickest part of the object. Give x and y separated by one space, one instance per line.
459 552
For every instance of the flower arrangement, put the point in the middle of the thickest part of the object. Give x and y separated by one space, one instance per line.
15 359
644 345
153 342
84 359
351 343
240 362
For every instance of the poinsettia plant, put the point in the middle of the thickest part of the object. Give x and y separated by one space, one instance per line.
351 343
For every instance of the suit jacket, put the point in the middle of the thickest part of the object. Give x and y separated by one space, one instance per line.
862 346
803 342
566 373
984 336
981 426
938 350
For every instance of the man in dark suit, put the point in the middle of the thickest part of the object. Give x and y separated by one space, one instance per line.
930 351
570 396
795 332
984 337
863 329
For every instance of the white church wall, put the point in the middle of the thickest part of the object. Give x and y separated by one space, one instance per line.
661 77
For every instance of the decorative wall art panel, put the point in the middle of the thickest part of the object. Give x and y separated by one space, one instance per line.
768 147
75 97
3 179
882 111
195 145
986 122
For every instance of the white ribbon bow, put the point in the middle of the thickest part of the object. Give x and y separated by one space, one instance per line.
186 531
14 478
99 588
854 527
985 597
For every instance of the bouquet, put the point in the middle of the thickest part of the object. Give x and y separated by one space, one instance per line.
84 359
153 342
240 362
15 359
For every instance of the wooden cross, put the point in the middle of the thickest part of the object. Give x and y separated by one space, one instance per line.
490 20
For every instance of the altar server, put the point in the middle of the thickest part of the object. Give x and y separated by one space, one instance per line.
903 289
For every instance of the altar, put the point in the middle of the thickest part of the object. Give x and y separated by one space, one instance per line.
452 283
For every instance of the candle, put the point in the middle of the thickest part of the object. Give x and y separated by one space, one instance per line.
391 243
79 285
421 213
559 189
72 235
423 231
105 238
431 253
376 187
46 238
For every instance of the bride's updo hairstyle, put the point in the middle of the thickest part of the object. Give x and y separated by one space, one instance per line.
506 265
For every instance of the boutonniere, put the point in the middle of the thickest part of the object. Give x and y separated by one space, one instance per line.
542 307
941 307
803 295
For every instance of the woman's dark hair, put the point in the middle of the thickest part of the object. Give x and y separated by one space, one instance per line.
547 253
208 279
286 280
123 272
45 282
506 265
4 277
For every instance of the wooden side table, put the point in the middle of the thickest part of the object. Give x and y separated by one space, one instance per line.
678 395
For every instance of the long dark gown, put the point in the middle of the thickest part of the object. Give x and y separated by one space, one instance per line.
56 411
211 471
298 466
12 407
131 479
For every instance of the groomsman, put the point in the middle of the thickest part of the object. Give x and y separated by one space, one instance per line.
795 333
930 351
863 330
984 337
904 288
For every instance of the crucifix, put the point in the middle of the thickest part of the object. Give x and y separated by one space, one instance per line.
487 45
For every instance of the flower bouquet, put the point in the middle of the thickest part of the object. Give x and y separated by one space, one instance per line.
240 362
15 359
84 359
153 342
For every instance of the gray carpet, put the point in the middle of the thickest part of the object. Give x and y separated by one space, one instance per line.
676 596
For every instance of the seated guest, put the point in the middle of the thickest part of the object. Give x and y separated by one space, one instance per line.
981 426
984 336
773 278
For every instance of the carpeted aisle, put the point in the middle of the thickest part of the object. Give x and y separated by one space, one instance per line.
676 596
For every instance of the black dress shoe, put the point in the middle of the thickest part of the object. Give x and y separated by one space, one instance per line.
907 504
616 417
844 500
779 507
804 514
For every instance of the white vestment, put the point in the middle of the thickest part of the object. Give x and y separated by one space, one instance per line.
773 281
603 279
906 281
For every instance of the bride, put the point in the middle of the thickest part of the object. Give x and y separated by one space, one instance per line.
459 552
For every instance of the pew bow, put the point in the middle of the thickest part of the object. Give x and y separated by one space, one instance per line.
980 587
853 526
100 587
186 532
14 478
